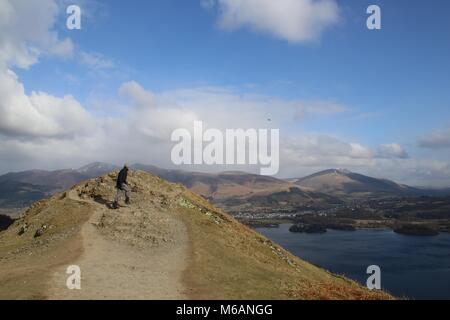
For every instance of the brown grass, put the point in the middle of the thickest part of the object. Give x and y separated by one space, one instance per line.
26 263
230 261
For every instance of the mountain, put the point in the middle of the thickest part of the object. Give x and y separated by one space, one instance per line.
241 192
293 200
222 185
52 180
96 169
344 183
168 244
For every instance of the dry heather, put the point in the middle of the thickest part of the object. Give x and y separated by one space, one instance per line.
213 255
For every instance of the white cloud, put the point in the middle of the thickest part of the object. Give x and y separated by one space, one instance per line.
63 48
436 140
293 20
393 150
25 32
152 118
254 110
135 92
141 133
40 114
320 150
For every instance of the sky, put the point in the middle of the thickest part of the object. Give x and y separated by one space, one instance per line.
375 102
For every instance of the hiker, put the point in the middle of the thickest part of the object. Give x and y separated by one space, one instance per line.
122 187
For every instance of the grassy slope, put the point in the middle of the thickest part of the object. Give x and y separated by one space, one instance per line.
26 262
230 261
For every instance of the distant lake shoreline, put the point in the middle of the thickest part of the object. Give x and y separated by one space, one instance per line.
416 267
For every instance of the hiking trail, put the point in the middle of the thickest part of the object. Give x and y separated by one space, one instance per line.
114 267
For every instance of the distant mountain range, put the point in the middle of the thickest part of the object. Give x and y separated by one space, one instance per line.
234 191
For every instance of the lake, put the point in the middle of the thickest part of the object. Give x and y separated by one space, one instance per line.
411 266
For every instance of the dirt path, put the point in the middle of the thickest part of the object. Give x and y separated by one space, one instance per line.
114 269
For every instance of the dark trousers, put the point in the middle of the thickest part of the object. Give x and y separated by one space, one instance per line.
124 189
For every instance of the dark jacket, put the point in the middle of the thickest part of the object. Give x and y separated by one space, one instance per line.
122 178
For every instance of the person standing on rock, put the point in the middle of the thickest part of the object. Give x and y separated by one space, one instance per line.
122 187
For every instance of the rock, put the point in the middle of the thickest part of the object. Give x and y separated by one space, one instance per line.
41 231
23 229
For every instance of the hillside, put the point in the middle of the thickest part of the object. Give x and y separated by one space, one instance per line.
53 180
14 193
343 183
293 200
170 243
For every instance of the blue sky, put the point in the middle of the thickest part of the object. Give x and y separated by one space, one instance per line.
381 87
173 44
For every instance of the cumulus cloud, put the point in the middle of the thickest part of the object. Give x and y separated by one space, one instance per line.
293 20
392 150
320 150
137 94
152 117
142 128
141 131
254 110
40 114
437 140
26 32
